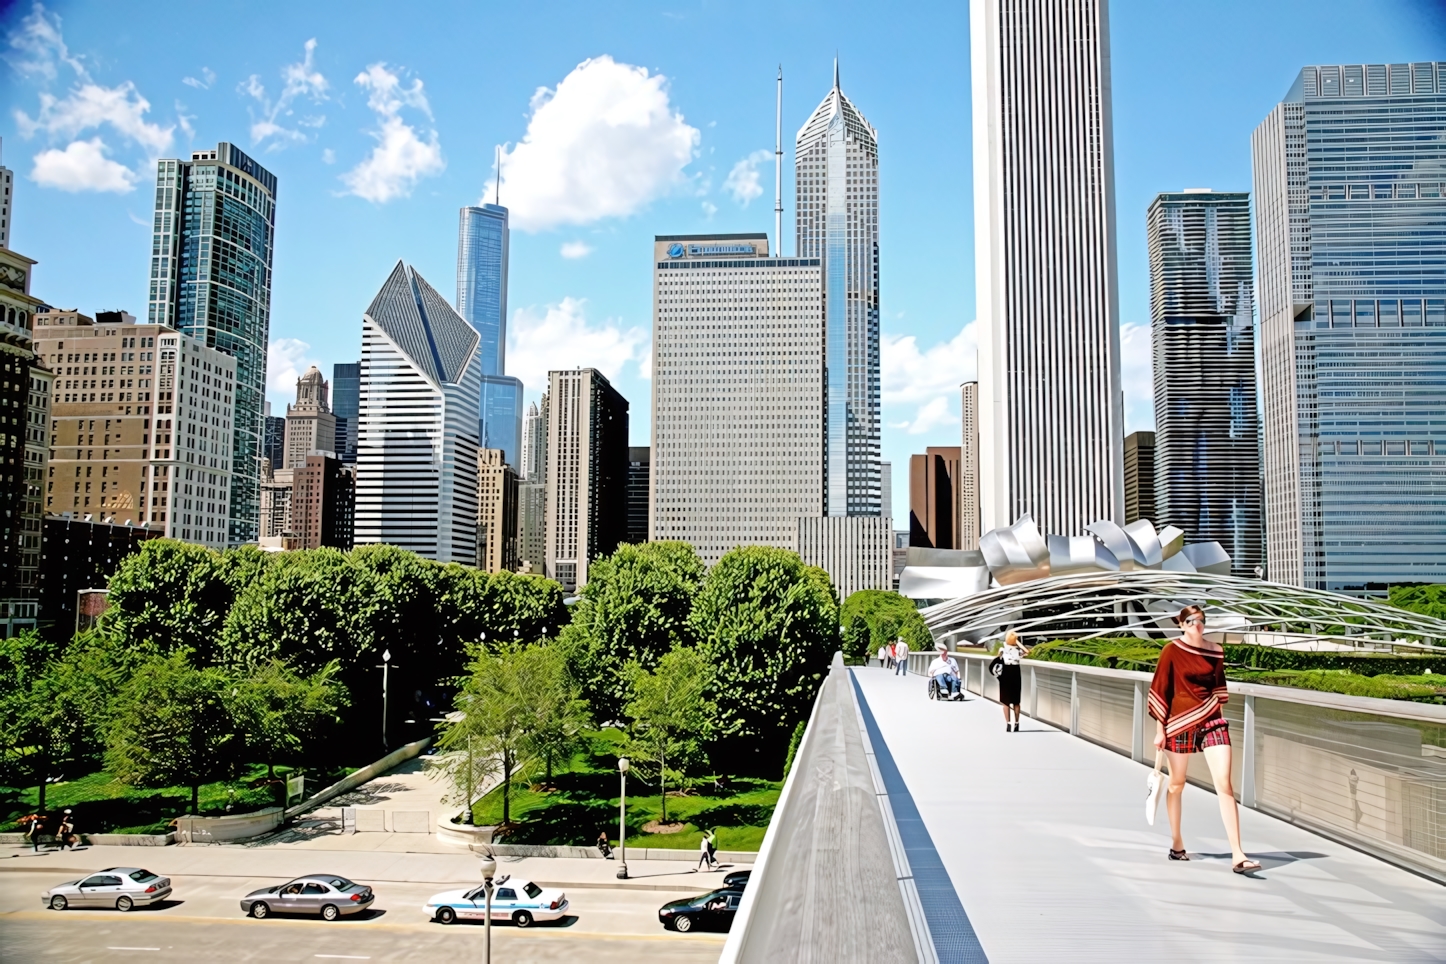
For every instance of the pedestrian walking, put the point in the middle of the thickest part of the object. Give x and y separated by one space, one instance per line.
66 835
705 857
883 656
603 846
901 657
1185 699
1011 654
34 826
712 838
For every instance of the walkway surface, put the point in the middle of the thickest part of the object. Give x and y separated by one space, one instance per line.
1044 838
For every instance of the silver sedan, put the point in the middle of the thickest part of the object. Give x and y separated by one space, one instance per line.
119 888
329 895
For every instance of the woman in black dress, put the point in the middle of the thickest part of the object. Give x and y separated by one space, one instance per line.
1011 654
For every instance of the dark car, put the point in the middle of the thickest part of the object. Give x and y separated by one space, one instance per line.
738 880
328 895
712 912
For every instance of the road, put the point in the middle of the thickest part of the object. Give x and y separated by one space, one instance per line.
204 923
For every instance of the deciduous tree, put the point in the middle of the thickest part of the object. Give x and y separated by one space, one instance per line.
671 714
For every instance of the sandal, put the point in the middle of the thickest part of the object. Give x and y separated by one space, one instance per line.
1181 855
1246 866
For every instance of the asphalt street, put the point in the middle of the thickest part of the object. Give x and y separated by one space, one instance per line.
203 922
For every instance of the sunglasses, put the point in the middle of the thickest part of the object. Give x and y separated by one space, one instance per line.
1194 621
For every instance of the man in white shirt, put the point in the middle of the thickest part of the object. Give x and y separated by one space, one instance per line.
945 673
901 657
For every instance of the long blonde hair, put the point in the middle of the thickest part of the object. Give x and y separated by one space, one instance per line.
1011 638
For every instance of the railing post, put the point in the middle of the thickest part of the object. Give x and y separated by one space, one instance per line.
1137 724
1033 692
1073 704
1247 756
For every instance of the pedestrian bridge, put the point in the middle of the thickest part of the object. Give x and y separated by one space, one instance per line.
919 830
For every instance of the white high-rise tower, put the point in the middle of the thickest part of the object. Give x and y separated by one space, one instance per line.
837 170
1050 411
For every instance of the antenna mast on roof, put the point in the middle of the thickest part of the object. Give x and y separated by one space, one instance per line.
497 191
778 173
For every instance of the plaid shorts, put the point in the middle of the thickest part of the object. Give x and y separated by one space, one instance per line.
1212 732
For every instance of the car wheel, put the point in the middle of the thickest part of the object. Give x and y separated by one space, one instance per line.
446 915
522 919
683 924
329 912
58 902
123 903
260 910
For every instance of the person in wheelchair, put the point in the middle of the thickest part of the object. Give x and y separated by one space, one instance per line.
944 676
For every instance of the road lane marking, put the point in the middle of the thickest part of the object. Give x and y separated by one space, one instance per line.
132 948
344 957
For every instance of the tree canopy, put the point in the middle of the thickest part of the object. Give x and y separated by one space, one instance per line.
887 616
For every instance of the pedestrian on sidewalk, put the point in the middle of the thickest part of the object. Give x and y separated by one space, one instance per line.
1185 699
883 656
712 838
705 857
603 846
66 835
901 657
1010 677
34 825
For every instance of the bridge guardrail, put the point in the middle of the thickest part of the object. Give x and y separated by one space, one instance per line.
1368 772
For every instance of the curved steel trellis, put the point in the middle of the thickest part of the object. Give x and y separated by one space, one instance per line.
1094 604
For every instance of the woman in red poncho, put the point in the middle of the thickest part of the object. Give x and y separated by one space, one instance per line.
1185 699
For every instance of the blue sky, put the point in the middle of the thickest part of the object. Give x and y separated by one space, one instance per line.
618 122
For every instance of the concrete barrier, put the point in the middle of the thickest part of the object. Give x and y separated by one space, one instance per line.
232 827
96 839
354 780
411 821
370 820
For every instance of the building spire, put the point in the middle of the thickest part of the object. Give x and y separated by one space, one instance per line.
497 191
835 72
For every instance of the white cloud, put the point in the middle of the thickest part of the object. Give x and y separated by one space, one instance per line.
576 249
208 77
286 361
560 336
300 79
328 156
401 158
37 47
82 166
604 143
184 120
1137 376
91 105
925 382
743 181
709 209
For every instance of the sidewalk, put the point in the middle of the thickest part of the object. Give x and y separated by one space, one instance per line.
1044 838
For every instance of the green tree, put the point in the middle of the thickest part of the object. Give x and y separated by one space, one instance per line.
494 721
1426 600
671 714
172 724
173 595
768 625
281 711
634 609
856 638
559 716
888 616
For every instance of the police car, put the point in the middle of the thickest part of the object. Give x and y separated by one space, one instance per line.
520 901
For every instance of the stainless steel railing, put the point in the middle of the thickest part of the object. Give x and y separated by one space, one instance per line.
1368 772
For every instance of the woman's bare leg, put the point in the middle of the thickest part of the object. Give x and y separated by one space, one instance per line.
1218 757
1175 795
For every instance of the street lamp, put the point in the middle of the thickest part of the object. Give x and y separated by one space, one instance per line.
489 871
386 665
623 818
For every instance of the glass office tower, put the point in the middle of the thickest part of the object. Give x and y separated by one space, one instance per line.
345 399
211 253
1350 189
1202 328
482 249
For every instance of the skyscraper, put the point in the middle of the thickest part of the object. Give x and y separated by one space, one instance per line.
532 489
345 398
1050 411
934 498
25 419
417 444
1202 327
1350 197
310 426
496 513
969 530
211 253
482 254
273 442
837 174
738 393
1140 477
639 491
7 187
587 473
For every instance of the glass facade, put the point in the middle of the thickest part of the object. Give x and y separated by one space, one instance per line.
211 260
1202 308
1364 159
482 241
345 403
501 426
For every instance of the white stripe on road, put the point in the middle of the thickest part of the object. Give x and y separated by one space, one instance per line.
345 957
132 948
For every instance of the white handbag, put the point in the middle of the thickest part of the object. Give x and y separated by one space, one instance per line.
1154 783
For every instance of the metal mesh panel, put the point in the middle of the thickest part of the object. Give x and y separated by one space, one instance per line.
1052 697
1106 711
1373 780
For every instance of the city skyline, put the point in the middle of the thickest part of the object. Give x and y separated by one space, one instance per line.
591 300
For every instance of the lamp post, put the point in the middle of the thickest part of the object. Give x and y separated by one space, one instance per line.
623 819
489 871
386 665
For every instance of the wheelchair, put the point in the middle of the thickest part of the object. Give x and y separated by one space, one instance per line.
934 693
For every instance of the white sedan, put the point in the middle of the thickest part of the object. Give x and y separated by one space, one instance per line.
520 901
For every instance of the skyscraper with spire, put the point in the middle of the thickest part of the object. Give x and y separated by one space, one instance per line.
837 189
482 253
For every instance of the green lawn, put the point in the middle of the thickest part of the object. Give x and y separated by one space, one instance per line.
582 799
104 805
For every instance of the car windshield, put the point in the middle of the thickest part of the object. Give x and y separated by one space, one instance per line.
143 876
340 883
478 893
532 889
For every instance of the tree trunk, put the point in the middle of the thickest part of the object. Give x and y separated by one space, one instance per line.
506 788
195 798
43 772
549 764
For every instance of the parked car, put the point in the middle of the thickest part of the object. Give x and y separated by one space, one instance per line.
738 880
712 912
520 901
120 888
328 895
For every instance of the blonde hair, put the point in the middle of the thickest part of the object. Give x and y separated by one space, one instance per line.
1011 638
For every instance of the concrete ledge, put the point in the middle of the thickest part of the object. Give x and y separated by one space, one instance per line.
233 827
462 834
354 780
96 839
592 853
